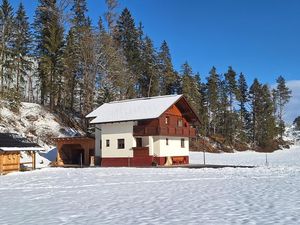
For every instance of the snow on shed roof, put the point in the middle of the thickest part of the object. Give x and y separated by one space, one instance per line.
133 109
17 149
14 142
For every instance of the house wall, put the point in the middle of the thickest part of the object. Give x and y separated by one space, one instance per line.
158 150
161 149
97 141
151 145
113 132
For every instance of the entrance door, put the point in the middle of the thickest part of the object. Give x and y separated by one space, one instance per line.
139 142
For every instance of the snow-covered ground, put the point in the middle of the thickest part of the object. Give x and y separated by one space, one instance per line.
279 158
263 195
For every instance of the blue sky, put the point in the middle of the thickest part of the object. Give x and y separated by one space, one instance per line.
260 38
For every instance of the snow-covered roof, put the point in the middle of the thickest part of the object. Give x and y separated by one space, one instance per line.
16 149
14 142
133 109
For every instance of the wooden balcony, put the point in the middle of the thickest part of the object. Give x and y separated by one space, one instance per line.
164 131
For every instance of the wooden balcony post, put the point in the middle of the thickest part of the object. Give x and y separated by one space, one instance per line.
86 156
1 169
33 157
58 157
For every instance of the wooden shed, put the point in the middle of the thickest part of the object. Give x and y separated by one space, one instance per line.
11 146
75 151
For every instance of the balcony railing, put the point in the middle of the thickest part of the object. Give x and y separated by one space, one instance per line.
164 131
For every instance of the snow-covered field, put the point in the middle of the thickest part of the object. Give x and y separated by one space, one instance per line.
263 195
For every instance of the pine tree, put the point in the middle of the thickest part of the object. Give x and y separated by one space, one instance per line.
127 37
231 86
79 19
113 70
267 124
201 105
213 82
206 116
6 37
49 36
282 95
69 73
223 114
111 14
168 78
21 46
149 81
89 48
40 27
243 99
186 77
192 88
263 121
84 57
256 104
190 85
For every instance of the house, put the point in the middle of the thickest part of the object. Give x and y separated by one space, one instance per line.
11 146
143 131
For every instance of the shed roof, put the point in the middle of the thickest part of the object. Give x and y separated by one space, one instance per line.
13 142
133 109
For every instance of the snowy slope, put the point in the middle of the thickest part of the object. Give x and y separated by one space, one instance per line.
292 135
33 121
263 195
37 124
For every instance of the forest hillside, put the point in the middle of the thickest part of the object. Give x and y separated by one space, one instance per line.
64 62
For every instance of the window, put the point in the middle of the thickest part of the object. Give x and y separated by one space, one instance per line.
121 143
167 120
167 141
107 143
139 142
182 142
179 123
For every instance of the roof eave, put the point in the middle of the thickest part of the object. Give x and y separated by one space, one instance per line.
11 149
123 121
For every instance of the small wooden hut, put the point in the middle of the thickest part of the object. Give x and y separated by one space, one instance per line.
75 151
11 146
